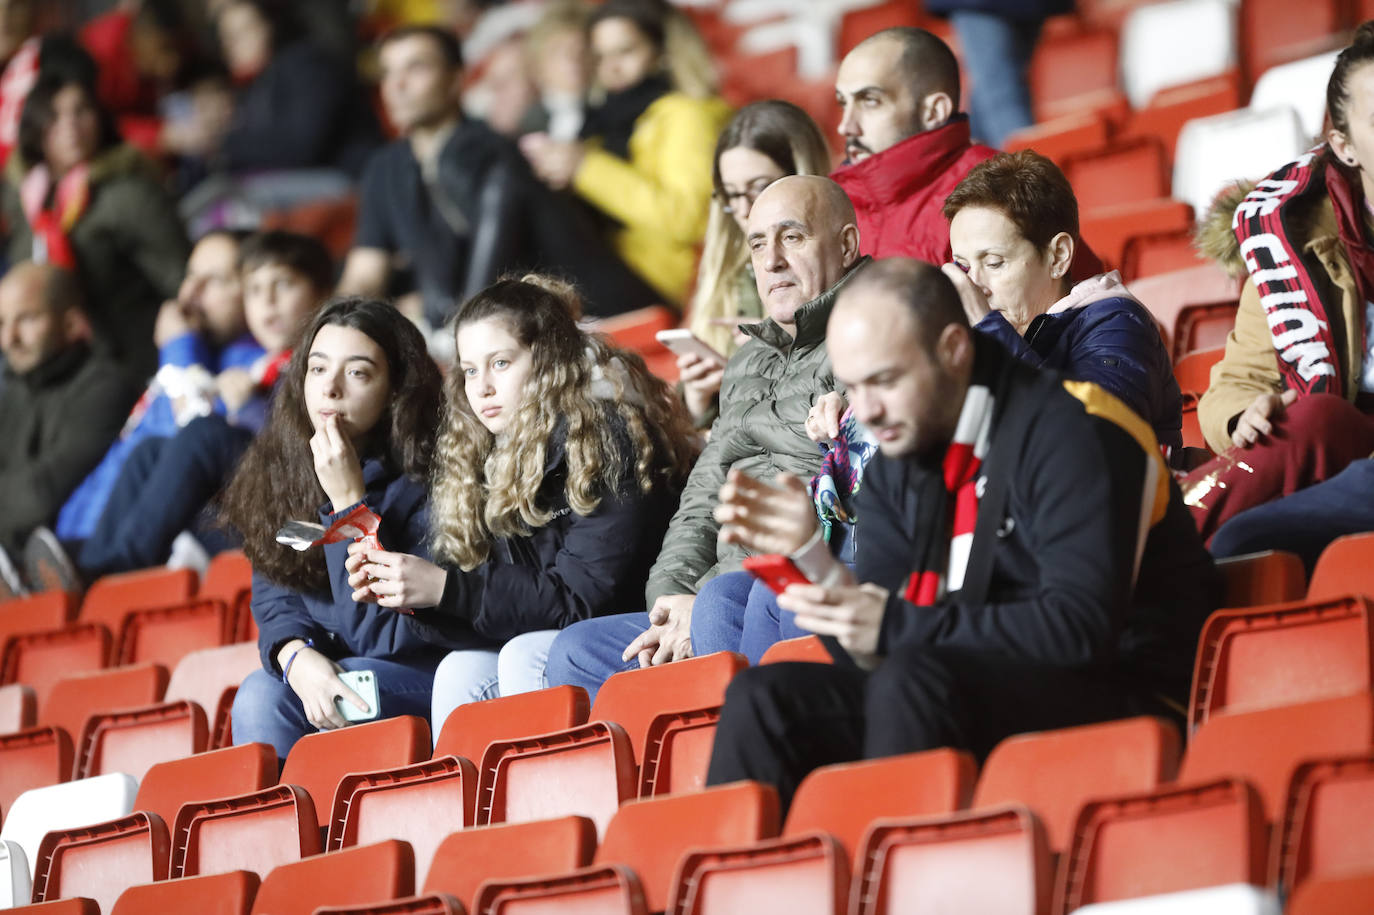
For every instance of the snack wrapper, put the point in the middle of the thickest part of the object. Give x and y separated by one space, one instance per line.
359 525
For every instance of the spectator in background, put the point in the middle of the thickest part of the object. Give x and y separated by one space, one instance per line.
61 405
644 160
1013 225
199 333
559 465
998 38
763 142
78 198
354 425
556 48
506 94
152 515
19 62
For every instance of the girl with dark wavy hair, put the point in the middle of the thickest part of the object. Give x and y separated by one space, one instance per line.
353 424
556 473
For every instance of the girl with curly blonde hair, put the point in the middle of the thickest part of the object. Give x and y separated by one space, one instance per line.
558 466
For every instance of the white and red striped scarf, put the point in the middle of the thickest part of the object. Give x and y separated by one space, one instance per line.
962 460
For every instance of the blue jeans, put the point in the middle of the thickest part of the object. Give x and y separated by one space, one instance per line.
266 710
997 51
1306 521
474 674
587 653
737 612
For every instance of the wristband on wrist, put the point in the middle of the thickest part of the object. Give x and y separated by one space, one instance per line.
286 668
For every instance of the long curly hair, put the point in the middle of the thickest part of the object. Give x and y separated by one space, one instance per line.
276 481
487 487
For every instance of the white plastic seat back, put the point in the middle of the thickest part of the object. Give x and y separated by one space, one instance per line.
1238 145
1169 44
1232 899
83 802
1301 85
15 883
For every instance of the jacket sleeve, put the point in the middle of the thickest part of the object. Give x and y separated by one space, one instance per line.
154 237
496 244
689 547
281 616
672 193
996 326
1249 368
503 600
1119 350
1081 485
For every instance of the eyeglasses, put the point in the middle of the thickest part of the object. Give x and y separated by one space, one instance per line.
728 198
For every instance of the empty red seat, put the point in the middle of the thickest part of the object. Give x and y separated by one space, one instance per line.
472 726
1346 566
807 649
804 873
430 904
1275 32
228 576
367 873
610 890
1270 577
1167 294
253 832
1328 822
843 799
1161 252
635 330
1332 895
318 762
677 752
78 906
166 634
110 598
1061 137
210 678
32 759
133 740
650 835
100 862
1172 107
1194 371
510 850
40 659
982 861
421 804
18 708
215 894
1203 326
1074 73
1279 654
1118 174
74 699
1108 228
1054 772
206 776
39 612
1246 745
1167 840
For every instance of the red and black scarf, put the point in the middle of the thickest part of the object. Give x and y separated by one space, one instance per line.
1268 224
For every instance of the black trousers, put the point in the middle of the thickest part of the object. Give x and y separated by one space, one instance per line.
780 721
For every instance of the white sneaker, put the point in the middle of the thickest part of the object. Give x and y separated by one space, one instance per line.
187 553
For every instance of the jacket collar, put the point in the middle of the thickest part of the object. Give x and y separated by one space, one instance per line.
810 318
57 368
905 168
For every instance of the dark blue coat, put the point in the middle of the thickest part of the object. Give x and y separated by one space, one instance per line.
1113 343
340 626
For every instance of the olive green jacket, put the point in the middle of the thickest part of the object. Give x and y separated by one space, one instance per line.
769 388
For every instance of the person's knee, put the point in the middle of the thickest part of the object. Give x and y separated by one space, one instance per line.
521 664
465 676
757 687
254 705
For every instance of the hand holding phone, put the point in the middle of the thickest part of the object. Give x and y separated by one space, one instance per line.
364 683
683 342
776 571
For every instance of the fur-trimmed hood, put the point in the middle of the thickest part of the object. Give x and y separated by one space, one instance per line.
1215 238
120 159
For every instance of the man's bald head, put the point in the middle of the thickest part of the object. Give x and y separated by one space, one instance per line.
894 84
803 237
39 314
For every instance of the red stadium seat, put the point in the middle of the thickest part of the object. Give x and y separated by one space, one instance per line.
1108 228
807 649
1164 252
420 803
1054 772
805 873
1334 895
1162 841
367 873
432 904
1270 577
229 575
1346 566
1075 73
1244 746
1194 371
650 835
210 678
1128 173
74 699
133 740
253 832
33 759
332 221
100 862
508 851
40 659
1168 294
678 752
1328 823
1280 654
981 861
1173 107
40 612
1061 137
111 597
18 708
843 799
1276 32
79 906
472 726
1203 327
605 890
216 894
167 634
206 776
1192 429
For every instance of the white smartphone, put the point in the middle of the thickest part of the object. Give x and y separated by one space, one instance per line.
682 341
364 683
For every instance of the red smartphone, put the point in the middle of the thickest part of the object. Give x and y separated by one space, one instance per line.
776 571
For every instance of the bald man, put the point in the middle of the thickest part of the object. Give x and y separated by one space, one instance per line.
61 405
804 245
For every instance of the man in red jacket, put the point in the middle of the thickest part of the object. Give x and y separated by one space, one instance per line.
906 144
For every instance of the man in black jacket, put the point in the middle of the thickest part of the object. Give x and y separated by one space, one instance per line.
1026 560
61 405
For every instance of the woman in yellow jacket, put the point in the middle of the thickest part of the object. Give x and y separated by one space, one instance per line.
644 159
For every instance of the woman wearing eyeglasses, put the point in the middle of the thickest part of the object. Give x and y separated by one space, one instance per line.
763 142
